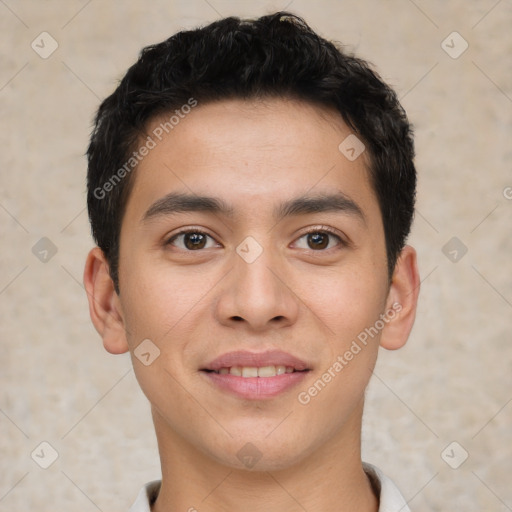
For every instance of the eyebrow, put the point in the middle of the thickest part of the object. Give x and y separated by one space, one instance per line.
175 202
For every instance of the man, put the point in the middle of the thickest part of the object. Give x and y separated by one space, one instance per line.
250 189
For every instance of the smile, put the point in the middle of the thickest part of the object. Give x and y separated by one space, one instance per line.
255 376
254 371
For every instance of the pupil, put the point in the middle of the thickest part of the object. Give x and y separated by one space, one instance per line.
318 240
194 240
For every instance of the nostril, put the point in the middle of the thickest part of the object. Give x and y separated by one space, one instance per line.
237 318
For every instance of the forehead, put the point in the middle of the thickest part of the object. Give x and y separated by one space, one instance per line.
251 153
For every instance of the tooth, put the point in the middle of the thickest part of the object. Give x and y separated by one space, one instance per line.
267 371
249 371
253 371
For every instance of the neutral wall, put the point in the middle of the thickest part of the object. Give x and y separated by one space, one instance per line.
452 381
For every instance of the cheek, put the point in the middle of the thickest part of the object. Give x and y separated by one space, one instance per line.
155 300
156 309
347 302
167 307
349 310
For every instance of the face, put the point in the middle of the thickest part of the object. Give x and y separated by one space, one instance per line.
252 256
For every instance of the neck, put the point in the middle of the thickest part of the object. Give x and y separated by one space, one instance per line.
331 479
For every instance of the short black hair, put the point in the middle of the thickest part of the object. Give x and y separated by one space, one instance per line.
277 55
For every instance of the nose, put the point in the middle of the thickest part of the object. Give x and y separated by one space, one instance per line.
255 295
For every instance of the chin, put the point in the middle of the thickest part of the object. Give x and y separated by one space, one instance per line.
262 455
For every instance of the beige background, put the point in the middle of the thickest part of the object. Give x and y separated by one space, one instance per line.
452 382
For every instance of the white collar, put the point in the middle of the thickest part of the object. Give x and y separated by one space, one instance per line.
390 498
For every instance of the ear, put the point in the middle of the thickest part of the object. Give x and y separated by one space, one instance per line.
402 300
104 304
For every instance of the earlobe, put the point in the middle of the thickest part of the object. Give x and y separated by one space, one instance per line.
104 306
402 300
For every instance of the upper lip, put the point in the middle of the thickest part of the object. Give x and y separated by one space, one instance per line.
256 359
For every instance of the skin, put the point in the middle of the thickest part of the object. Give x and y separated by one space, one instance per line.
195 305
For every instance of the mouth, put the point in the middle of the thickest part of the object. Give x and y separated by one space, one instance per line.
255 376
253 371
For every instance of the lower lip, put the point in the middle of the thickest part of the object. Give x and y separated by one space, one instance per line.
256 388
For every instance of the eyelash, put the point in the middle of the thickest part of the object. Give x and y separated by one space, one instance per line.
318 229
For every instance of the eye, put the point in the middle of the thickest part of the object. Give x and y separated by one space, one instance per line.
192 240
319 240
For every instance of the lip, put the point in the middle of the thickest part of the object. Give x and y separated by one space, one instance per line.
255 388
246 358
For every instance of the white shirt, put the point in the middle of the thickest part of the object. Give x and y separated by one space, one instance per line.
390 498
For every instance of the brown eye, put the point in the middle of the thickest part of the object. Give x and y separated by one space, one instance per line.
319 240
191 240
194 241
